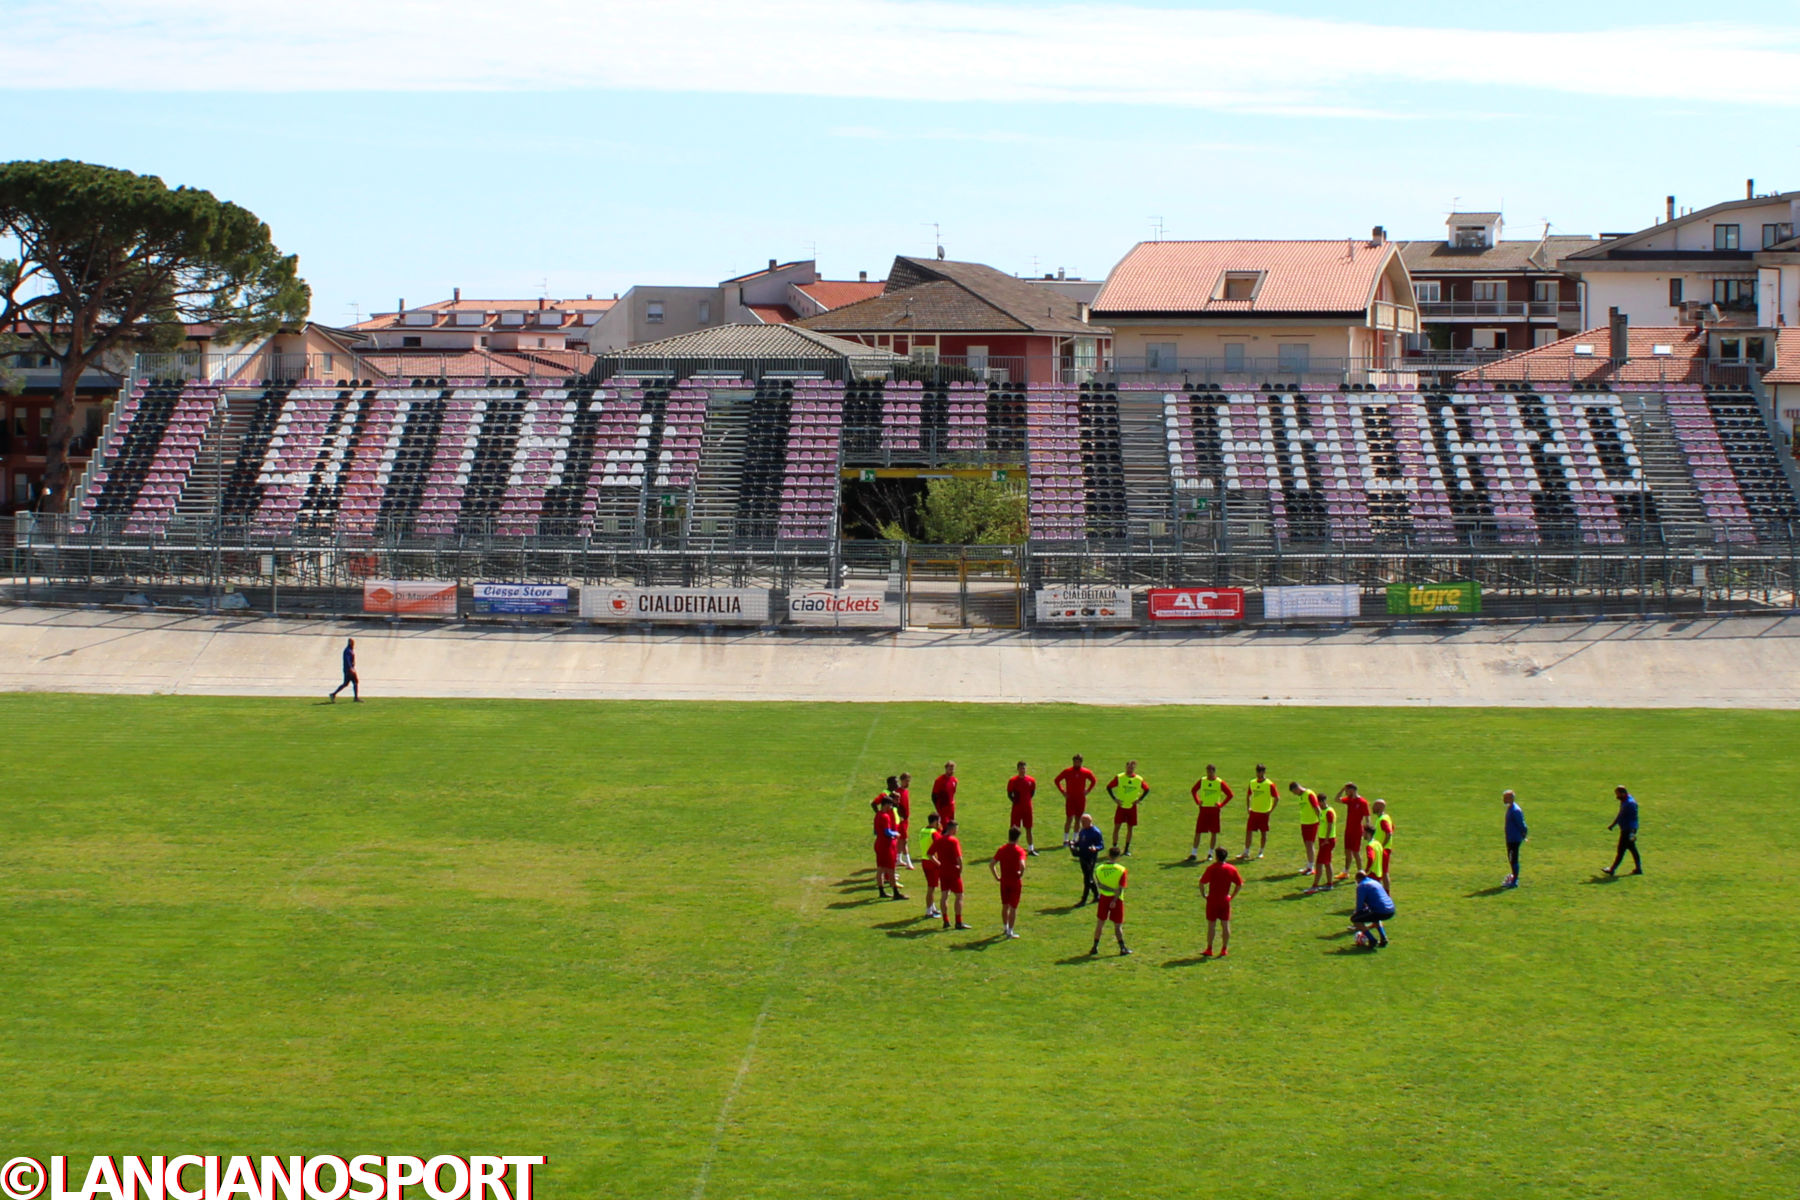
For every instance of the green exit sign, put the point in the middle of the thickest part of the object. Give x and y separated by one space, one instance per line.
1200 504
999 476
868 476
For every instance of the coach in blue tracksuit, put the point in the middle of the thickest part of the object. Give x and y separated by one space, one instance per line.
1089 842
1627 825
1515 835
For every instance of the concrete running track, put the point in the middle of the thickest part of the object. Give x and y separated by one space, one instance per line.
1728 662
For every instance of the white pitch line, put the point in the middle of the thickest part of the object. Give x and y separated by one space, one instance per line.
776 976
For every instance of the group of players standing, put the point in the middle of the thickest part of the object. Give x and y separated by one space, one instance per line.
1367 831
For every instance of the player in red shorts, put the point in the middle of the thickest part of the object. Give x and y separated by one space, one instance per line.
943 794
928 838
1219 883
1211 795
948 849
1127 788
1110 877
903 814
1309 805
887 846
1074 782
1327 846
1008 869
1019 790
1356 815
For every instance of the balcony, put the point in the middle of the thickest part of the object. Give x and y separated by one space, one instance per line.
1509 310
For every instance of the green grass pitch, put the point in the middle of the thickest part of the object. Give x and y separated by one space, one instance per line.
642 939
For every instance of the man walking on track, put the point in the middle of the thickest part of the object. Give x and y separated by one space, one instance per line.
1356 815
1263 798
948 849
1627 825
1219 883
1126 789
350 680
1019 790
1309 807
1210 795
1074 782
1008 869
1086 848
943 794
1516 834
928 860
1110 877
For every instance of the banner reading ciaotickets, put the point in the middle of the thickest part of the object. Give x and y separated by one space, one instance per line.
1080 605
677 606
843 608
1413 599
409 597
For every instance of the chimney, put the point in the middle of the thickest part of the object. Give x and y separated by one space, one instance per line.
541 303
1620 331
771 264
862 277
403 305
1059 273
1671 203
1378 236
1749 189
455 295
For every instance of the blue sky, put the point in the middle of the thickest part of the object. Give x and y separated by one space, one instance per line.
409 147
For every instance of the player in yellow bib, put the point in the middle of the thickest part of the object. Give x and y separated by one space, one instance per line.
1263 797
1126 789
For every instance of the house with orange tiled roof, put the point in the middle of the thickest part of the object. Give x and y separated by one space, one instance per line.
459 324
778 294
1783 381
1218 309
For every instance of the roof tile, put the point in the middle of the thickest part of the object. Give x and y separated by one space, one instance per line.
1337 276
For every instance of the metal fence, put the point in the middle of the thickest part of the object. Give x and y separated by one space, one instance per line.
985 586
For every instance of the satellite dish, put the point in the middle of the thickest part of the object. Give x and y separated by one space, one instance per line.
940 254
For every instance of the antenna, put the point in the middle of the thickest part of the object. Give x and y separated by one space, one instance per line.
544 287
355 313
1157 228
812 251
937 236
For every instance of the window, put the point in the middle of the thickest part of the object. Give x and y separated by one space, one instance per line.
653 312
1159 356
1542 337
1234 356
1087 354
1543 291
1754 348
1776 233
1293 356
1429 291
325 363
976 358
1738 295
705 312
1470 237
1489 290
21 489
1489 339
1240 285
43 422
1725 237
1731 348
412 340
1675 292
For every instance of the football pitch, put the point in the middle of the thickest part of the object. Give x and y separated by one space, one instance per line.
643 939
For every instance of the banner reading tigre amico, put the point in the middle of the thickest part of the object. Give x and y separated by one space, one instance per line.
409 597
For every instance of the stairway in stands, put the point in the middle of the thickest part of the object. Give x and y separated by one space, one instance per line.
1144 446
713 517
1671 481
213 466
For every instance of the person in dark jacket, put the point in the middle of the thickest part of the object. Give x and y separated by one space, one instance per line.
1626 822
1516 834
1089 842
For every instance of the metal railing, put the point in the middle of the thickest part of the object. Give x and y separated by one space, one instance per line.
1518 309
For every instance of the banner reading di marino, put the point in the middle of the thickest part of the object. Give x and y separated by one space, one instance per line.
1412 599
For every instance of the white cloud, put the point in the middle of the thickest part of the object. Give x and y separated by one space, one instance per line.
917 50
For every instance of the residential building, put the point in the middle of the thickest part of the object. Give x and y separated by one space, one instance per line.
1218 309
1731 264
25 422
1783 383
971 315
777 294
457 324
750 350
1482 295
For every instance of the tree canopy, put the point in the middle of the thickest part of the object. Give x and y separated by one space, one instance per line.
107 259
968 512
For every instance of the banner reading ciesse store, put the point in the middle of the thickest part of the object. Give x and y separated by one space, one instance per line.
677 606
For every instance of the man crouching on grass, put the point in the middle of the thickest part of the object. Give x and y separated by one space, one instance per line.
1373 906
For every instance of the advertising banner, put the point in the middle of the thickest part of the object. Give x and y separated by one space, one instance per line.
1413 599
844 608
1329 600
1084 606
1196 604
677 606
532 599
409 597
